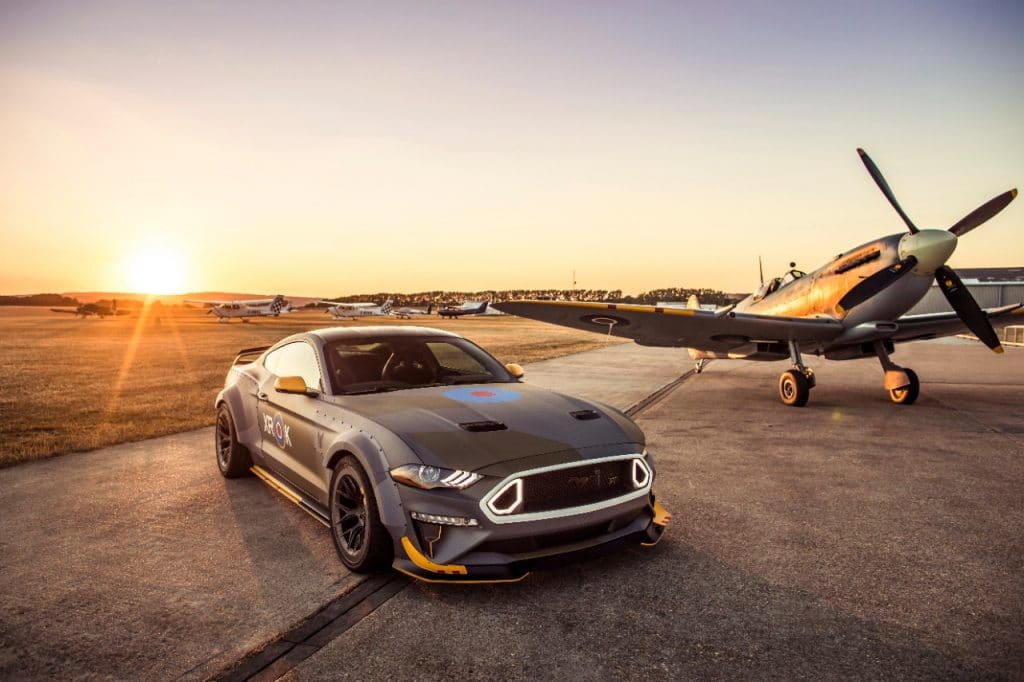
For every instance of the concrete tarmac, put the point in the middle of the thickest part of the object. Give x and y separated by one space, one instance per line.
140 562
851 538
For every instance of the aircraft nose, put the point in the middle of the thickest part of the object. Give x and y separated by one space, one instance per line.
931 248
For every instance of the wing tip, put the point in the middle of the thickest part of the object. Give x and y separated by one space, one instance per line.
998 349
1013 193
861 152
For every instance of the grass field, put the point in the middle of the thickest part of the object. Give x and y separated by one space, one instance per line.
68 384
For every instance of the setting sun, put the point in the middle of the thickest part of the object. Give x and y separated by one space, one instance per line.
156 271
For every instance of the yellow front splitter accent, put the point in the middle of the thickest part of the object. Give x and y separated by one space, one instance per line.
423 562
661 518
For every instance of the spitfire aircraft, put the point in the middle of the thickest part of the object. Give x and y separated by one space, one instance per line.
244 309
852 307
87 309
350 311
406 313
466 309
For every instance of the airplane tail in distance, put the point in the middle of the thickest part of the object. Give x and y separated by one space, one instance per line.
277 304
430 309
483 307
693 303
386 308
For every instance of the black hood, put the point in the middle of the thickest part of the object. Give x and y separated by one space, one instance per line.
479 426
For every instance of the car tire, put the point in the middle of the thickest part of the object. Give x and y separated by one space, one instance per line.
361 540
233 459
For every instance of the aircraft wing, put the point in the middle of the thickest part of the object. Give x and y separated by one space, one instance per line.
70 311
679 327
339 304
249 301
933 325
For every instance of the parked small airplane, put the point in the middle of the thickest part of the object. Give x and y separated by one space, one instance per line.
466 309
244 309
350 311
87 309
406 313
852 307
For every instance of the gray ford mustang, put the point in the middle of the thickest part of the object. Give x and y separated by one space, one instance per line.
420 450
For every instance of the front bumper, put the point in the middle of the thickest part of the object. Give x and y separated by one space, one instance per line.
645 528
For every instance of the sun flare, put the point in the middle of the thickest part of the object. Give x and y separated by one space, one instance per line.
156 271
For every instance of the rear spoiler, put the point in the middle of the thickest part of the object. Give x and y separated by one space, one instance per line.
248 353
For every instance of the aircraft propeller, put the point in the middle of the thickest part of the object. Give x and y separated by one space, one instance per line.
930 249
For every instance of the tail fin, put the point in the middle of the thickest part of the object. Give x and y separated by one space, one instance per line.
430 309
386 308
693 303
483 307
277 304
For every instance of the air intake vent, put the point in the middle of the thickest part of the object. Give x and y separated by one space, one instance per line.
584 415
483 426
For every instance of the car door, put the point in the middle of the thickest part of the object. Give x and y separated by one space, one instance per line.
290 438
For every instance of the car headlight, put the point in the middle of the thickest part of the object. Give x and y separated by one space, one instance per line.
429 477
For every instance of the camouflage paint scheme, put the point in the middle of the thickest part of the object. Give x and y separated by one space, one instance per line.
422 426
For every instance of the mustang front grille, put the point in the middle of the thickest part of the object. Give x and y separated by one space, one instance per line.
568 489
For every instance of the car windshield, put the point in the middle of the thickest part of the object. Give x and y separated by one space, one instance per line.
393 363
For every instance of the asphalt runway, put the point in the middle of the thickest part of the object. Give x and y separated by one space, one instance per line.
850 538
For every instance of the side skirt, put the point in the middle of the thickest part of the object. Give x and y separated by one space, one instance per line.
304 502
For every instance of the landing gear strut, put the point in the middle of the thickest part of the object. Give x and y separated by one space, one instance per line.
795 384
698 366
902 383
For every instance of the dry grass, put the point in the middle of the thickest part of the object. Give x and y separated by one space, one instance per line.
68 385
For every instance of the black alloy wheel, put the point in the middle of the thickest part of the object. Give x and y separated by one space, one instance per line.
362 542
233 459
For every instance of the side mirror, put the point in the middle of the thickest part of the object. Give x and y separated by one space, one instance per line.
291 385
515 370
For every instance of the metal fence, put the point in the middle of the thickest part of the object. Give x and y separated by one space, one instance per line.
1014 335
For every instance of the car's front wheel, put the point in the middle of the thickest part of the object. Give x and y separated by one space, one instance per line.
362 541
232 458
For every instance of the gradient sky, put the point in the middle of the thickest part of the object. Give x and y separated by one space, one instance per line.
328 148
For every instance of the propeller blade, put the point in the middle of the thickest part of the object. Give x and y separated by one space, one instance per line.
967 309
884 186
983 213
876 283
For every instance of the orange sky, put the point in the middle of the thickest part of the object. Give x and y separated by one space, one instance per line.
339 150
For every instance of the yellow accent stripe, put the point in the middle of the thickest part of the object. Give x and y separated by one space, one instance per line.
661 515
626 307
272 482
998 349
461 582
1013 193
428 565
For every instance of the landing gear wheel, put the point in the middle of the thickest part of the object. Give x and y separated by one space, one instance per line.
362 541
794 389
908 394
232 458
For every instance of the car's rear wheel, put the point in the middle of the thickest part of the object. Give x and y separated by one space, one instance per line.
362 541
232 458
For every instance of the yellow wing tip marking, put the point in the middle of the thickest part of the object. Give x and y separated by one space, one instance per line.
1013 193
998 349
426 564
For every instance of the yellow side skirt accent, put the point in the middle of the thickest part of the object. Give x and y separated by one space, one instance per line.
272 482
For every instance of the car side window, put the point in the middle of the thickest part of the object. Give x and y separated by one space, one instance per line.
295 360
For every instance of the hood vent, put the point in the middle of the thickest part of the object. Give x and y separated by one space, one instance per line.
483 426
584 415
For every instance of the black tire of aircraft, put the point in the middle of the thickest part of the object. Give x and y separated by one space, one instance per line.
908 394
794 388
233 459
362 541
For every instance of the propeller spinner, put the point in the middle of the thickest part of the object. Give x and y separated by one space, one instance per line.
925 252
